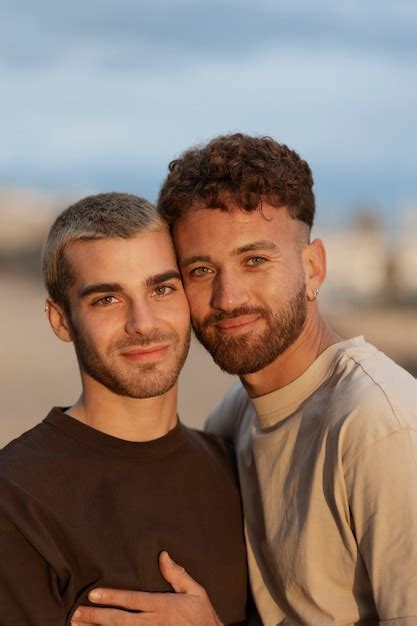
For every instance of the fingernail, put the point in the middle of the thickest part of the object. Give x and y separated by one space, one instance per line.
168 558
77 614
94 595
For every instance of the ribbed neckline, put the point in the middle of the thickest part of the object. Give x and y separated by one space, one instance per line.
107 444
277 405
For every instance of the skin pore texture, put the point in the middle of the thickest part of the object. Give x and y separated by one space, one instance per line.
250 279
131 332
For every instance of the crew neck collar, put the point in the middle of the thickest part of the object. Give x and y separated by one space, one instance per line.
107 444
279 404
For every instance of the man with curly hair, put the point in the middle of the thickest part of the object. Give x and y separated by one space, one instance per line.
325 429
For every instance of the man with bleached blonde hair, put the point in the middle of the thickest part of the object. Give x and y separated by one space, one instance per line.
100 491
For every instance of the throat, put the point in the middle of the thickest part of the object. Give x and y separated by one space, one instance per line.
312 341
126 418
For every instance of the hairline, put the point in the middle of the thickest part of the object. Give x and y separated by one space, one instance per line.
200 205
156 225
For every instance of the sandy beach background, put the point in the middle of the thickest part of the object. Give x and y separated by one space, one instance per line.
37 371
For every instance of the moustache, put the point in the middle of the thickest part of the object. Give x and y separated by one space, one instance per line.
143 341
221 316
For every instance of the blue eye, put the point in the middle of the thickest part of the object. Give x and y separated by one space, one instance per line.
256 260
200 271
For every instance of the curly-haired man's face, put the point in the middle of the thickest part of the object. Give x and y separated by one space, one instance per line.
245 280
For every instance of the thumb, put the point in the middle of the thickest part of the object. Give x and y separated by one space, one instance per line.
177 577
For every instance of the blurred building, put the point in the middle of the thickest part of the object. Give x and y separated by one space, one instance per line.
369 264
371 286
25 217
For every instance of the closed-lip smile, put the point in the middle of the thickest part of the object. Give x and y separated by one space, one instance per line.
138 353
236 323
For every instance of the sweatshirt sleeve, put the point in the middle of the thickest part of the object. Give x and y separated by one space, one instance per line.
382 491
28 591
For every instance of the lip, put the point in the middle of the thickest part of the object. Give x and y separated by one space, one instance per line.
237 324
136 353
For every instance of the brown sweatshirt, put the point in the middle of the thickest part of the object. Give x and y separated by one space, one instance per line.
81 509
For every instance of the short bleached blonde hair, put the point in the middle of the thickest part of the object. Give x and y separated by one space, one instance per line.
103 216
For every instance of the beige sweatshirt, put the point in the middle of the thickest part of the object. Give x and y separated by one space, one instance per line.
328 474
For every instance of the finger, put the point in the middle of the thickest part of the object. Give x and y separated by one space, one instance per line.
178 578
104 617
132 600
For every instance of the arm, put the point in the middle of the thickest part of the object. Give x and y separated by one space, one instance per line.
27 594
190 604
382 489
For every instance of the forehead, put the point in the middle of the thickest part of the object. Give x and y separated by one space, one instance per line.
102 260
206 230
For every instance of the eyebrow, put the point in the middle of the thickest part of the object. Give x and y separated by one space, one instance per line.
157 279
250 247
151 281
256 245
99 288
197 258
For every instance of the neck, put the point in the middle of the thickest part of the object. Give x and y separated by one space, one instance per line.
315 337
126 418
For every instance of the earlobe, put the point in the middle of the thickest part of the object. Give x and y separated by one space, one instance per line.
58 320
314 260
313 294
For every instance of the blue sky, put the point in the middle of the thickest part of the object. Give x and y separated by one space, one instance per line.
100 95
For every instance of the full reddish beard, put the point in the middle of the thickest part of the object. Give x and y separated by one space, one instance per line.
147 380
251 351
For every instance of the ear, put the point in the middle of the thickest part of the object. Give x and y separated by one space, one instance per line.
314 262
58 320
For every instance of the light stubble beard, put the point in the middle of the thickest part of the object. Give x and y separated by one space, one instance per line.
146 380
251 352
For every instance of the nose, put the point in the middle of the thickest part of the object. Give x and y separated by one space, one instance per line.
141 318
228 293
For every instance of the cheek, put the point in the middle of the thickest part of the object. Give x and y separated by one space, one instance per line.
185 315
96 332
198 298
178 314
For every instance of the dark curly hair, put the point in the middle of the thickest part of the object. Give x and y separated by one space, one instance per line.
238 170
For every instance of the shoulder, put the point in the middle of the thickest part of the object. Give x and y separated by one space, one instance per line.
371 397
227 416
207 443
366 379
28 463
23 447
216 452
